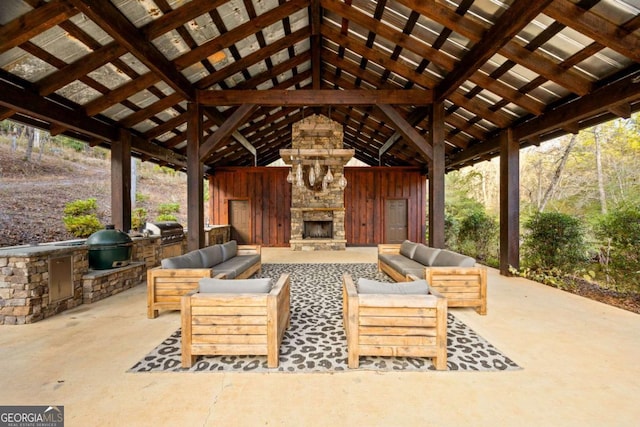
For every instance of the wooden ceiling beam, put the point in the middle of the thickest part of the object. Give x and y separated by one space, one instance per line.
179 16
274 97
278 69
510 23
599 29
151 110
624 90
111 20
80 68
254 58
407 131
475 30
315 21
378 57
29 25
120 94
230 38
226 129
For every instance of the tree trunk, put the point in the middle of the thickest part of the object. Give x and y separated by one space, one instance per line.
558 174
30 137
603 196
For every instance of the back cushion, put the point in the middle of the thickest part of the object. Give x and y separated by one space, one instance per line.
229 250
211 255
368 286
408 248
425 255
188 260
224 286
452 259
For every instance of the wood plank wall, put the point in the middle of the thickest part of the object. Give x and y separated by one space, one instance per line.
367 190
269 197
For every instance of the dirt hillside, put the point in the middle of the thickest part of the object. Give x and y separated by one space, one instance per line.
33 193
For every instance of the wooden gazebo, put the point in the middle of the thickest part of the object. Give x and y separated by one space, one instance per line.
433 84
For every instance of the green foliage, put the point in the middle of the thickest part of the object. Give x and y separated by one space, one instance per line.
82 225
553 240
80 217
166 217
80 207
619 234
478 235
141 198
168 208
75 145
165 170
138 218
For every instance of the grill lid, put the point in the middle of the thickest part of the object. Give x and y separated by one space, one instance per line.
107 238
163 228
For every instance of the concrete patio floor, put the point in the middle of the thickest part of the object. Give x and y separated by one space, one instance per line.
580 361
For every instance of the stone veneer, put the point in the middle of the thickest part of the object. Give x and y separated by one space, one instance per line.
312 204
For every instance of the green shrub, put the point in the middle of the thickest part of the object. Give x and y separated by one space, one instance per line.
166 217
553 240
80 217
81 207
168 208
138 218
141 198
82 225
619 234
478 235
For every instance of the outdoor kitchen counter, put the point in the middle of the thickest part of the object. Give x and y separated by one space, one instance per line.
54 247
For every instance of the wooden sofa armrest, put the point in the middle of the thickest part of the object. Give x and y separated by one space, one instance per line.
165 287
389 248
463 286
249 249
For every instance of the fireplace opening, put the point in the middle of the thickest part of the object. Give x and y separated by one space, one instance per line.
318 230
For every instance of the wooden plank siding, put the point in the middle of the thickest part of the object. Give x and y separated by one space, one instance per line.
365 196
368 188
269 196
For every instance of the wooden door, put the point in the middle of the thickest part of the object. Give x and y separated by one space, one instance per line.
240 221
395 220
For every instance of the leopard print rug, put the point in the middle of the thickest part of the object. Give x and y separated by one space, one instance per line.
315 340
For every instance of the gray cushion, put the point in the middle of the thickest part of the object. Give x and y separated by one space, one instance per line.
408 248
402 264
452 259
425 255
236 265
418 272
368 286
245 286
189 260
211 255
229 250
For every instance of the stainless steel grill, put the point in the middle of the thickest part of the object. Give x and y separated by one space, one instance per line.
169 231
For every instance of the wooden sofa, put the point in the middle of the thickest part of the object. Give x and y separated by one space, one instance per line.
233 323
381 324
463 285
179 275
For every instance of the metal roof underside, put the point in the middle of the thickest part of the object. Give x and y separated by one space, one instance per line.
93 69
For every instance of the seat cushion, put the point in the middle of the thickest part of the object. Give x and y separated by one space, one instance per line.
211 255
425 255
245 286
236 265
452 259
189 260
368 286
408 248
229 250
402 264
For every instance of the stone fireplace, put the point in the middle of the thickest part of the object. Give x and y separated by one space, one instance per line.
317 207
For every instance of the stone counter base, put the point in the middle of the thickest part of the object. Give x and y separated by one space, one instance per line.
100 284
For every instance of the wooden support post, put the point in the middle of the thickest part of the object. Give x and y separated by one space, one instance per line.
436 177
121 182
509 202
195 172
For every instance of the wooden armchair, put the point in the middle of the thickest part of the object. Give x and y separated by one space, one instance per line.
232 323
381 324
